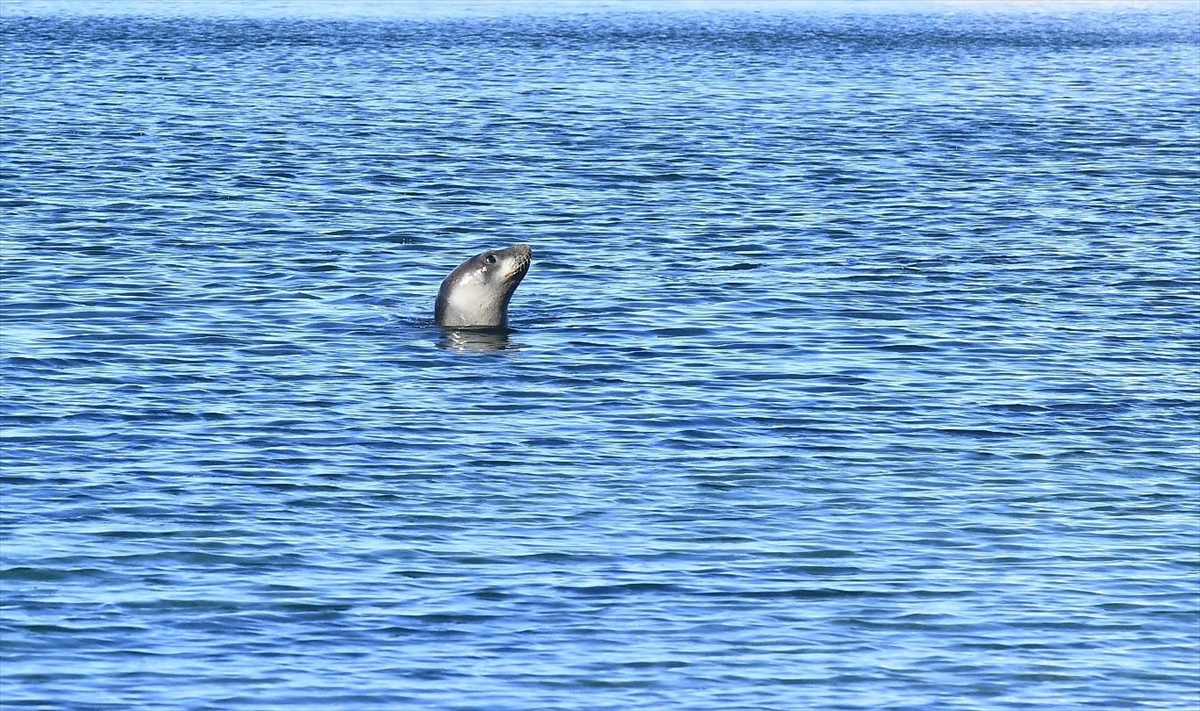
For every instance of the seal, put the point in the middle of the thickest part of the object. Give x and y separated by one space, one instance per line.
476 294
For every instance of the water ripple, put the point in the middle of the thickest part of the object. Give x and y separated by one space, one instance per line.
856 367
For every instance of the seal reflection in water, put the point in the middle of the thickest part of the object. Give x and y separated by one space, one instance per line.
475 296
476 340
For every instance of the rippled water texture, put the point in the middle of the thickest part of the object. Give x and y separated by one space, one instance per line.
856 368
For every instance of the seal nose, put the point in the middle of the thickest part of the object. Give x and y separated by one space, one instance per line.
523 249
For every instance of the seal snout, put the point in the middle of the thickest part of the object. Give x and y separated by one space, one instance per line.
523 253
517 259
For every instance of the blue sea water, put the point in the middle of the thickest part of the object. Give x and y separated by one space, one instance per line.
857 367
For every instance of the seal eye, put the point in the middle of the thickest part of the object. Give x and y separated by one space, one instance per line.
491 259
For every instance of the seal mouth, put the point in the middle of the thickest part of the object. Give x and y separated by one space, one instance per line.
523 254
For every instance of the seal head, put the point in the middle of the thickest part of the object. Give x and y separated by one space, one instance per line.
476 294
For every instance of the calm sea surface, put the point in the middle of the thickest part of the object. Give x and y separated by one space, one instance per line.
858 366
